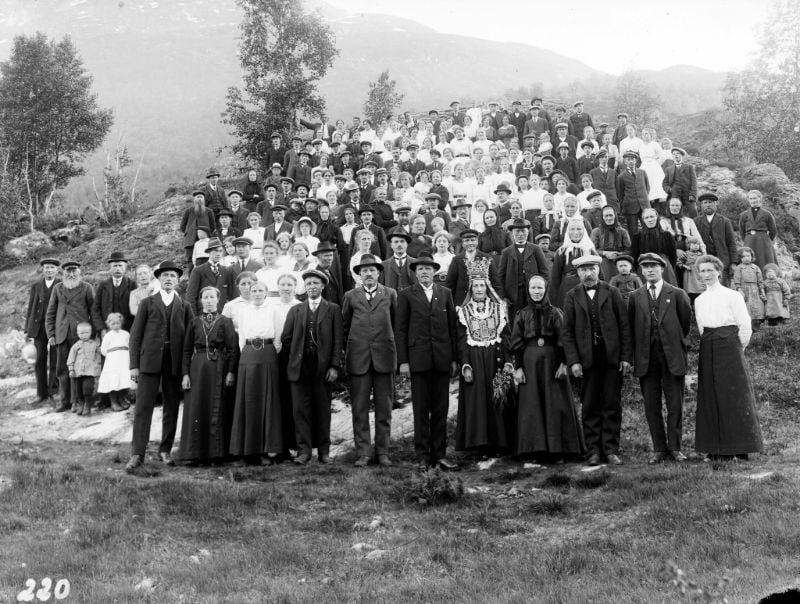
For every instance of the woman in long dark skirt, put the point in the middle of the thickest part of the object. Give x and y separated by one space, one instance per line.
547 423
727 422
257 415
210 356
483 426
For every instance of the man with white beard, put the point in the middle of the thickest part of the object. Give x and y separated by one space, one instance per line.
70 304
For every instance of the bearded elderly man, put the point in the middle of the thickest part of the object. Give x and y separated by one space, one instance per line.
599 348
70 304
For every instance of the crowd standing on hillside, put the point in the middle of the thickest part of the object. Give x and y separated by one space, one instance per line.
519 252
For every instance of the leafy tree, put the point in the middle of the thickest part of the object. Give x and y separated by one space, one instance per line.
284 52
49 120
761 101
382 98
634 94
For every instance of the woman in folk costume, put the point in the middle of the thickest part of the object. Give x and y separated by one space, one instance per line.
547 423
564 276
758 230
210 358
483 425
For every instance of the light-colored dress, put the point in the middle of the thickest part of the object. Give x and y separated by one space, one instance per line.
116 373
650 154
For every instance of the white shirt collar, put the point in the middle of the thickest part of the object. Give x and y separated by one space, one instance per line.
116 282
49 282
658 285
167 298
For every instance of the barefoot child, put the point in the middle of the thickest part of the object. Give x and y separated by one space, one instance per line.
115 379
778 295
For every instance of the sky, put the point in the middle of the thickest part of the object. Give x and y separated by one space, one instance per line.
642 34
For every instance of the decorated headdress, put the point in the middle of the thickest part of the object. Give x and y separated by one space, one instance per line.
484 320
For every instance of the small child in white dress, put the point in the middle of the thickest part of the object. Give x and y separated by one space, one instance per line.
115 378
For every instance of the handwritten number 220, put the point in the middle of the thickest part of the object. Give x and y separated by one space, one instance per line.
60 591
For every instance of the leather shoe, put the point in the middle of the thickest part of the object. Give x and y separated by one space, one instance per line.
115 406
447 465
134 462
594 459
61 408
383 460
362 462
325 459
302 459
613 459
657 457
166 458
678 456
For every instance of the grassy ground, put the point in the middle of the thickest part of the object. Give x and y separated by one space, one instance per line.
337 534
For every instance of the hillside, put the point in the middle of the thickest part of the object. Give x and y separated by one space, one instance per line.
165 67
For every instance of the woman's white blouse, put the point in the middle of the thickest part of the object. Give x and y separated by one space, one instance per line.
257 322
719 306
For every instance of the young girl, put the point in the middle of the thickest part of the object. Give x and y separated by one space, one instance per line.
687 260
115 379
256 234
199 253
748 281
778 295
83 363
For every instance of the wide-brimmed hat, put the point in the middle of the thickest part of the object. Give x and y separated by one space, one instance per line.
519 223
679 150
424 259
367 260
301 220
167 265
324 246
212 172
117 257
399 233
502 188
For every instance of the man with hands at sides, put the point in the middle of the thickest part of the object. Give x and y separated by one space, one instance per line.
598 346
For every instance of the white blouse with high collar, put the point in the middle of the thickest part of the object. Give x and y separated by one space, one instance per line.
719 306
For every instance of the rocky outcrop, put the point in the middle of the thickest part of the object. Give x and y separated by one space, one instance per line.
24 247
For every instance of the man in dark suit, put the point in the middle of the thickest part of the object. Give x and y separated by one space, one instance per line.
212 274
413 164
277 151
426 350
432 211
460 223
239 211
215 196
397 272
621 131
518 263
333 291
368 318
562 136
535 125
436 161
70 304
313 335
457 280
496 117
379 247
633 190
156 349
36 329
243 247
604 179
458 115
660 316
579 119
382 213
598 348
279 224
113 294
517 118
680 180
716 231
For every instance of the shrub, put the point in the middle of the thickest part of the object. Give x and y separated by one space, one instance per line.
434 487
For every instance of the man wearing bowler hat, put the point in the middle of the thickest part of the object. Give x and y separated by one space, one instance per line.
518 263
313 335
112 295
327 264
598 348
397 272
70 304
368 314
156 349
212 274
660 316
36 329
426 350
198 215
215 195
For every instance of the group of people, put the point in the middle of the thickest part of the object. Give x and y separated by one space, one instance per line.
456 252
